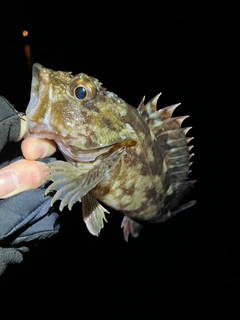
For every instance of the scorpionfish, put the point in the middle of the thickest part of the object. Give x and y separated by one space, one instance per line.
134 160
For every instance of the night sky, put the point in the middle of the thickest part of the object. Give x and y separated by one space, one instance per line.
187 52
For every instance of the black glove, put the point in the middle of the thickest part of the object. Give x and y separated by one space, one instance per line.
27 217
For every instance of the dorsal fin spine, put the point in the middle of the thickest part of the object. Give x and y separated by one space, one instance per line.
172 138
149 108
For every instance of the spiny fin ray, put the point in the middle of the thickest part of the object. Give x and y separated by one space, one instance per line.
171 136
149 108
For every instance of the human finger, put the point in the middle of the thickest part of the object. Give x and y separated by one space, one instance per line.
34 149
20 176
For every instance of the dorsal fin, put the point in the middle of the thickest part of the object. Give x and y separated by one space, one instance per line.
172 138
147 109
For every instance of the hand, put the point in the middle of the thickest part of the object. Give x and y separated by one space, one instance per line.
26 174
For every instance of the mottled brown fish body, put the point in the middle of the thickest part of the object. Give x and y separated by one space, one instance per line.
135 160
134 184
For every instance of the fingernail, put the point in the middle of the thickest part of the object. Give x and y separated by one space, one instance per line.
8 183
39 150
42 150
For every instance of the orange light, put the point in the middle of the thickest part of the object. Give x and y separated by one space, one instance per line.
28 55
25 33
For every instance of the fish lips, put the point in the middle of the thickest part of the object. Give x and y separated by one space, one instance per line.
40 82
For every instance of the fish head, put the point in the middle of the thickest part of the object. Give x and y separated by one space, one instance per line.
82 117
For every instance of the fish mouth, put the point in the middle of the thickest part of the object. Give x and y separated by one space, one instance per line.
38 88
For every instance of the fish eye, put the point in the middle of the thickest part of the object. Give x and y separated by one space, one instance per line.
83 90
81 93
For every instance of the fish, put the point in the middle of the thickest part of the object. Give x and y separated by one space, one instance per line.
133 160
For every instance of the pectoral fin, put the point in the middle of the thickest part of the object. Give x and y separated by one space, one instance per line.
72 183
93 214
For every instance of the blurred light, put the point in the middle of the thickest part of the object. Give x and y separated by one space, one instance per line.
28 55
25 33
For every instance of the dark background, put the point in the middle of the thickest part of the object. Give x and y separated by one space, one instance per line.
190 264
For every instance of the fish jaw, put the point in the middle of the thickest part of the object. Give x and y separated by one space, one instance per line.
36 110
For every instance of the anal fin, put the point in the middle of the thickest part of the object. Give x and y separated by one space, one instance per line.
130 227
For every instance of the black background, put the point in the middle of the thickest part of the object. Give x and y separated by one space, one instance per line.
190 264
